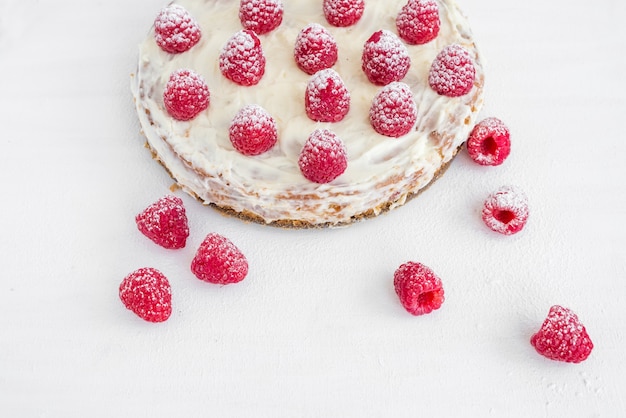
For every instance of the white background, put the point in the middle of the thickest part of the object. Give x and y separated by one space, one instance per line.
315 329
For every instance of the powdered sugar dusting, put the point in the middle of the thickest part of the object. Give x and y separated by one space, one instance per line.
452 72
326 98
393 111
323 157
343 13
418 21
506 210
253 131
261 16
315 49
175 30
242 60
385 58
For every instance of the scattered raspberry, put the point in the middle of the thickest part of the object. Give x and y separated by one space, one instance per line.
186 95
452 72
419 289
323 157
242 60
489 142
253 130
562 337
506 210
326 98
393 112
219 261
148 294
315 49
418 21
165 222
385 58
343 13
175 30
261 16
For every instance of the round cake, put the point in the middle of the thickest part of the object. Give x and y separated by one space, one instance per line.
347 137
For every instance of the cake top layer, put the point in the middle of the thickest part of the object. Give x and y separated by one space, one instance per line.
377 163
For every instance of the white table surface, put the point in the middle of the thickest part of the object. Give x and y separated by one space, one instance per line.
315 330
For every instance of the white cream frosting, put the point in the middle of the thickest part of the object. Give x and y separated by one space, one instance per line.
382 172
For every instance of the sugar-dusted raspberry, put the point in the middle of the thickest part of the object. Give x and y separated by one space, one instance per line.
148 294
323 157
326 97
562 337
393 111
418 287
218 260
253 130
261 16
343 13
418 21
452 73
489 142
385 58
175 30
165 222
315 49
186 94
506 210
242 60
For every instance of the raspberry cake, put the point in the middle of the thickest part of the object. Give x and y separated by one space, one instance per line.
307 113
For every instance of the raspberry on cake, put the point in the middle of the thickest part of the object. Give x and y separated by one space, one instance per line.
393 111
372 173
315 49
253 130
343 12
418 21
186 94
261 16
452 72
385 58
242 60
326 98
175 30
323 157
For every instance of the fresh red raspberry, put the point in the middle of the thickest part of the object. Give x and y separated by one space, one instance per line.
452 72
165 222
385 58
562 337
418 21
253 130
261 16
148 294
489 142
242 60
393 111
219 261
323 157
186 95
418 287
343 13
326 98
175 30
315 49
506 210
